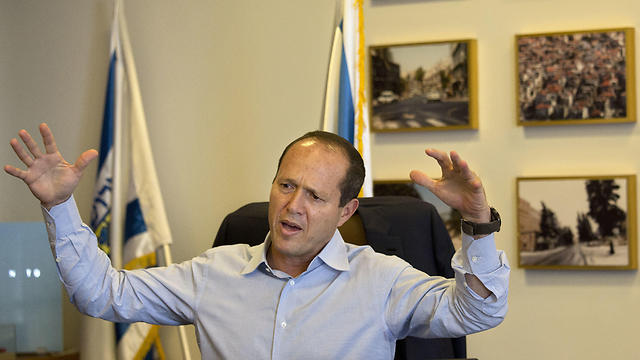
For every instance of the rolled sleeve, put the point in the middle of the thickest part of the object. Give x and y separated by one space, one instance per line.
481 258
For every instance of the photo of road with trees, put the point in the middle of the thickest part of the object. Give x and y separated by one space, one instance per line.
570 222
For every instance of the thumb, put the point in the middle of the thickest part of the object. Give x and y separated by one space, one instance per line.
421 178
85 158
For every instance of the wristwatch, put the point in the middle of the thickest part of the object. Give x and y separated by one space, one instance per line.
471 228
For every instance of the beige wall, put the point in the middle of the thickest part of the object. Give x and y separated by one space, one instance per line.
227 84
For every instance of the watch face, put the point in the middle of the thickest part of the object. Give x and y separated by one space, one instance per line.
495 216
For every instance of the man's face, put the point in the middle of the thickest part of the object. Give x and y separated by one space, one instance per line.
304 204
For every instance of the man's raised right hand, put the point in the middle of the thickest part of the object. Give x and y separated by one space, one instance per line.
49 176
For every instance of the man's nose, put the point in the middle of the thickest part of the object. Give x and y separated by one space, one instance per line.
296 202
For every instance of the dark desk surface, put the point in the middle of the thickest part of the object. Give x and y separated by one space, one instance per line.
56 356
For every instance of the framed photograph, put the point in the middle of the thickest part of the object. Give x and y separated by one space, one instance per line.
450 217
424 86
577 222
577 77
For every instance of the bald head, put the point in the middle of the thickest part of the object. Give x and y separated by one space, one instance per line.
354 177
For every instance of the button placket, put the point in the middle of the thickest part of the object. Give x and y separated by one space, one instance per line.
284 300
283 311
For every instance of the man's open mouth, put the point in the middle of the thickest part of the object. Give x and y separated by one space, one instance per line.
290 226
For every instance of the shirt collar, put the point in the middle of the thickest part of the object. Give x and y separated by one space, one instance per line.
334 254
258 255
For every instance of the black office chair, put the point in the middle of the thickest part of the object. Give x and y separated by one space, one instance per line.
394 225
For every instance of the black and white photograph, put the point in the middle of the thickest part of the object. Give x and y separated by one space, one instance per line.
423 86
450 217
575 77
577 222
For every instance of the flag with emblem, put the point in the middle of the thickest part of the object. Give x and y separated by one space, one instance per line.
345 104
131 241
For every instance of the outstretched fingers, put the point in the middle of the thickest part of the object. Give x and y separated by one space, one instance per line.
23 155
32 145
85 158
14 171
48 140
425 180
441 157
461 166
422 179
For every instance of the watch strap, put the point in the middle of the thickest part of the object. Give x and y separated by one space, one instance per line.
472 228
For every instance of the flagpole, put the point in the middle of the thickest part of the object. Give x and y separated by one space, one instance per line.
333 73
135 94
115 236
181 330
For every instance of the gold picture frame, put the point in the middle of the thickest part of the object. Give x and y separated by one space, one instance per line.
575 77
423 86
577 222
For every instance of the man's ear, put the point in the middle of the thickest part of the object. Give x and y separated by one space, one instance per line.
348 210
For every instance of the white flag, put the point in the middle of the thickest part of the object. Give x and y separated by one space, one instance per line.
345 111
134 244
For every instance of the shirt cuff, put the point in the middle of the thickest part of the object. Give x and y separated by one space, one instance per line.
481 258
480 255
68 213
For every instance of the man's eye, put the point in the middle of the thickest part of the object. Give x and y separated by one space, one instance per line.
286 186
315 197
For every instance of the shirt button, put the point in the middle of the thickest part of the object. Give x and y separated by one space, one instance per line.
283 324
292 282
58 259
475 259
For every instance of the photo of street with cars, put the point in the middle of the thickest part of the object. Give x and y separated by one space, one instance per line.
425 86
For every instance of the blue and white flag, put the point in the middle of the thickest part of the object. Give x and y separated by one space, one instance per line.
98 336
132 243
345 107
102 199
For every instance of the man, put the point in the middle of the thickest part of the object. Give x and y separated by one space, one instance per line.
303 293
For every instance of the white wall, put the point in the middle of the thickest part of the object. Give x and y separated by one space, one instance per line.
553 314
227 84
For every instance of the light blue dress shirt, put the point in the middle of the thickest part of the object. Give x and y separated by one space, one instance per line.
351 302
